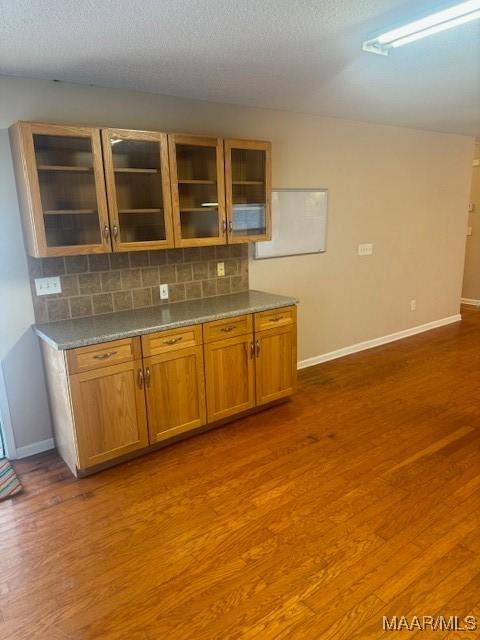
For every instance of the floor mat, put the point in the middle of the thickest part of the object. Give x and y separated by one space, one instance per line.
10 485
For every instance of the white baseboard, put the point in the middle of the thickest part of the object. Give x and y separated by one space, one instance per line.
376 342
470 301
35 447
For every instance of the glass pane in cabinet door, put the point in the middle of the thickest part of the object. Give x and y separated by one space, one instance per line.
138 184
197 191
248 192
67 190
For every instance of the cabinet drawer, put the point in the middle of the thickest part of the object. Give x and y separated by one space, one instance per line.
164 341
275 318
100 355
227 328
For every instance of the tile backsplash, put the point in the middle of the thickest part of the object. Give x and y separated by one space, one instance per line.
102 283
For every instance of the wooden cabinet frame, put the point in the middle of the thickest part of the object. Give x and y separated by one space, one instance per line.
28 187
230 378
115 228
271 361
248 145
217 144
83 427
194 396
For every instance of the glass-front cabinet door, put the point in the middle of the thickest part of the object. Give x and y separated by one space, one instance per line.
198 195
62 188
138 188
248 190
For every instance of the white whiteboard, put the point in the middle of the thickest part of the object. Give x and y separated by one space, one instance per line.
299 223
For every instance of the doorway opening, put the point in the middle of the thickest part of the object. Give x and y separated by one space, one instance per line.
471 273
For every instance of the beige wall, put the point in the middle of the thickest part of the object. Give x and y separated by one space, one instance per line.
402 189
471 276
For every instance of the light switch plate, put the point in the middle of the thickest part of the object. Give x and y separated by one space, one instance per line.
220 268
48 286
365 249
164 292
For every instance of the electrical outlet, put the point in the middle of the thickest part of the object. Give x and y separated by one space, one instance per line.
413 305
220 268
164 292
48 286
365 249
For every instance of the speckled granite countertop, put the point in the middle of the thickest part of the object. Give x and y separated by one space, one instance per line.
69 334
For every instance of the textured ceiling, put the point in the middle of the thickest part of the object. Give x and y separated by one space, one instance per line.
296 55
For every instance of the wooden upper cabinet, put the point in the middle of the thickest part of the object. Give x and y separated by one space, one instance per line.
198 194
248 168
138 188
163 190
61 188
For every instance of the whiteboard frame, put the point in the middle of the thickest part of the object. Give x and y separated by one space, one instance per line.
303 253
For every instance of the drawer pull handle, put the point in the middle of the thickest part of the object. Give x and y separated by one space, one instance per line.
140 378
276 318
104 356
173 340
230 327
147 376
257 343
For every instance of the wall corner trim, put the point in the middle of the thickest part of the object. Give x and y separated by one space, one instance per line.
470 301
376 342
35 447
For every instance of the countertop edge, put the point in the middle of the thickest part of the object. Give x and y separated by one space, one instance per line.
138 331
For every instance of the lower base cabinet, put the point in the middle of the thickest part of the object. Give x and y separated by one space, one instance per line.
114 399
276 364
175 392
230 376
109 409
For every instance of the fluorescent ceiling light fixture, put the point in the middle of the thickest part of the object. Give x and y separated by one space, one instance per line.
434 23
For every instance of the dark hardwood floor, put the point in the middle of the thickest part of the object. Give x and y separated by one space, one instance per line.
359 498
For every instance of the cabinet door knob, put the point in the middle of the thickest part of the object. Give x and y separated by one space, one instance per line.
104 356
230 327
224 227
140 378
257 344
230 226
115 231
106 232
147 376
252 350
